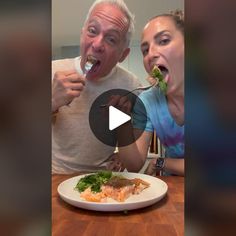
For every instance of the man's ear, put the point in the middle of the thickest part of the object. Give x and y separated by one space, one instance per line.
124 54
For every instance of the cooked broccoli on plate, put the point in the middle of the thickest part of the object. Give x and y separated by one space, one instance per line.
95 181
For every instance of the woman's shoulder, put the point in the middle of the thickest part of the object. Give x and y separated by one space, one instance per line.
152 94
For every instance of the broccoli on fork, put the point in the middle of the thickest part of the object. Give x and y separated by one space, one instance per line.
157 74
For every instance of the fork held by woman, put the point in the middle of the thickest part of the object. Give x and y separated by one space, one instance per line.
138 88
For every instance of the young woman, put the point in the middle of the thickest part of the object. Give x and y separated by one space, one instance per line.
162 45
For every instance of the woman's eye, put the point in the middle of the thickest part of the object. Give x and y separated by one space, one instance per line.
164 41
144 52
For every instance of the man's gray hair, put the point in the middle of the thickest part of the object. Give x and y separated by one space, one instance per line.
123 7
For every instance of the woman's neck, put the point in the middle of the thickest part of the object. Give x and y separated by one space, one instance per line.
175 103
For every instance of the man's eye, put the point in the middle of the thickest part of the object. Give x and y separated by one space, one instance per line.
111 40
92 30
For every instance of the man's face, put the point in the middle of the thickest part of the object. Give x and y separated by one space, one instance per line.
162 44
104 38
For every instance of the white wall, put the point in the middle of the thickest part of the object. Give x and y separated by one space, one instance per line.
68 16
134 63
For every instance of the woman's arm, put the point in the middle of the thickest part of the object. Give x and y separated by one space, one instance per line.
174 166
171 165
134 155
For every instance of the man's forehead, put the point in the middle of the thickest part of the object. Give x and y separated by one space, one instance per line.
111 14
106 7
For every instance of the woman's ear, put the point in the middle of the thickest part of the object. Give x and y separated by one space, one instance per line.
124 54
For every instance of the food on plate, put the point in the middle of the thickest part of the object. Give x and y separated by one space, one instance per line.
93 181
158 75
100 186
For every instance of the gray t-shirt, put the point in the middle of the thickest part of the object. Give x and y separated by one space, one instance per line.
74 146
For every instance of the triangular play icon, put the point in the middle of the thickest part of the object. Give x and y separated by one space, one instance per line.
117 118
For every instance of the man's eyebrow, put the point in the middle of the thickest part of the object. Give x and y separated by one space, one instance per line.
114 31
92 21
111 30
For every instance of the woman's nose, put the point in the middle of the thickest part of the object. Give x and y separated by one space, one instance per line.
98 44
153 54
153 51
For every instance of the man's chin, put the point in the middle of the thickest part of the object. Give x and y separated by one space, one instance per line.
92 77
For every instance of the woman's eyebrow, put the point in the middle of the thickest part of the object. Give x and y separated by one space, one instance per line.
157 35
160 33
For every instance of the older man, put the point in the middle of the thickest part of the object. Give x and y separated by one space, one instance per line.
105 38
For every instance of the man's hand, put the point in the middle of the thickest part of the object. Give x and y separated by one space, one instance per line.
66 86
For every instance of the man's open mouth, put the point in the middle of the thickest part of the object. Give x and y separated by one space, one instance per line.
94 62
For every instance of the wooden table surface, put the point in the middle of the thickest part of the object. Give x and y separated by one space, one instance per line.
165 217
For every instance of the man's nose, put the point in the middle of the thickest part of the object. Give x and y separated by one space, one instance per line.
98 44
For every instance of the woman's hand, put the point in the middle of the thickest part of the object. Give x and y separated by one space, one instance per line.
151 169
151 80
172 165
121 102
115 164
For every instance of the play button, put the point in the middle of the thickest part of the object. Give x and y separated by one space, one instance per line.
106 121
117 118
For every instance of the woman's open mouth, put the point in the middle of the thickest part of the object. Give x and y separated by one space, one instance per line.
164 72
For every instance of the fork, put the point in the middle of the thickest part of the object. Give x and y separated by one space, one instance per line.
87 67
143 88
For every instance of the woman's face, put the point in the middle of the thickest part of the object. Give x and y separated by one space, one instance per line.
162 44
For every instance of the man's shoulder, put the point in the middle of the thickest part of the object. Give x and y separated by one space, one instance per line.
126 72
63 64
64 61
127 78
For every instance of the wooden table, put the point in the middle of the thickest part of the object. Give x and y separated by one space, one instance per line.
163 218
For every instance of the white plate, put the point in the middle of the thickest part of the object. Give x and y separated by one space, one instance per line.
155 192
